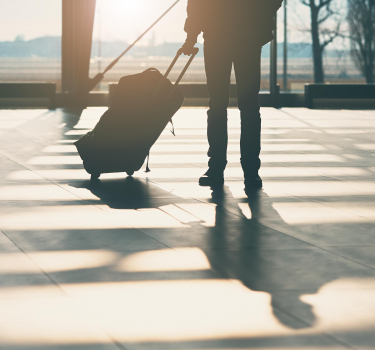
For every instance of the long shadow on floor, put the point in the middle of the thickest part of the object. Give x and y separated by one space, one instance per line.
238 246
234 246
249 264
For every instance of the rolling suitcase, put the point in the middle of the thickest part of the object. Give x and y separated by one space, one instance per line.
142 106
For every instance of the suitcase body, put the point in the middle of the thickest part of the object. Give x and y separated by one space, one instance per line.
141 108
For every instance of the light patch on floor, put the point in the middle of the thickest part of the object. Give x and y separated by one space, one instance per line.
165 260
158 262
345 305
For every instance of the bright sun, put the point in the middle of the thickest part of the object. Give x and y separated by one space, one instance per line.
135 7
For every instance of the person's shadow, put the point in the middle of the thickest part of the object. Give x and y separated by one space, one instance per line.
235 249
246 262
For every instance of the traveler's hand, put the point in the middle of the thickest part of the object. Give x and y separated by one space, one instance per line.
188 48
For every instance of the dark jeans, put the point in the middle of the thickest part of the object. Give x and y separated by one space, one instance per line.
220 54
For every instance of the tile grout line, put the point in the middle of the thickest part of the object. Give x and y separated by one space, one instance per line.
111 215
324 334
86 201
55 283
202 201
315 127
258 223
305 323
283 233
298 239
207 204
35 263
114 341
56 184
301 321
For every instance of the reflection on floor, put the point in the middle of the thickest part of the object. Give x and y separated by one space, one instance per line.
157 262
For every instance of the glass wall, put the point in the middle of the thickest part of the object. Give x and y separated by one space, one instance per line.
30 41
297 67
119 22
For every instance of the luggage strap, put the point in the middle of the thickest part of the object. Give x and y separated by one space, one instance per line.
172 131
147 167
148 155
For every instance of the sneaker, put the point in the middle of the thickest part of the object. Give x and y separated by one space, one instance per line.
254 182
212 178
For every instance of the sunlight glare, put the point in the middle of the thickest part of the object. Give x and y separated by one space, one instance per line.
185 259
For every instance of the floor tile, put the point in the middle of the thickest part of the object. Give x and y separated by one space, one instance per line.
361 254
282 269
108 266
6 245
340 231
155 261
85 239
53 323
187 314
17 269
343 308
226 234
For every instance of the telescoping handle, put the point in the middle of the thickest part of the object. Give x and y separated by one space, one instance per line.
179 53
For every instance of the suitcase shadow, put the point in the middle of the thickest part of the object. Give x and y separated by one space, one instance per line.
128 193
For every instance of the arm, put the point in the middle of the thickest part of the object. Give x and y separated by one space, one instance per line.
266 21
192 25
194 17
274 5
277 4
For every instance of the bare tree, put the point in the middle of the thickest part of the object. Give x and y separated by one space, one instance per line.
361 19
320 12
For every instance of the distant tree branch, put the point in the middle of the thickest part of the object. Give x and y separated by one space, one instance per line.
361 19
331 34
321 12
306 2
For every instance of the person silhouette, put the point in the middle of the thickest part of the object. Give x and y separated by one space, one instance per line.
234 33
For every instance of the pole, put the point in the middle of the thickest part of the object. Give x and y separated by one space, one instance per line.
274 89
77 28
285 73
100 45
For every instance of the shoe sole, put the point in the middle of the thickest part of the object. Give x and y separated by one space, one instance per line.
211 184
252 189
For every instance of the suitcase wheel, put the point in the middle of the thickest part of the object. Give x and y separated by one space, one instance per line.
95 176
130 173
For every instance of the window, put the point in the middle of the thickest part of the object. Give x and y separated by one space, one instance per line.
30 41
338 65
119 22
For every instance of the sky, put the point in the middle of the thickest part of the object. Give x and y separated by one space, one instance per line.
126 19
122 20
30 18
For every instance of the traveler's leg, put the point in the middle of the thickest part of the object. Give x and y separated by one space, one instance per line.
218 62
247 68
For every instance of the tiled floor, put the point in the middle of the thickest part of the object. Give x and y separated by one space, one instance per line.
157 262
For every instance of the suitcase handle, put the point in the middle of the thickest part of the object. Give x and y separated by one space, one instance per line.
179 53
